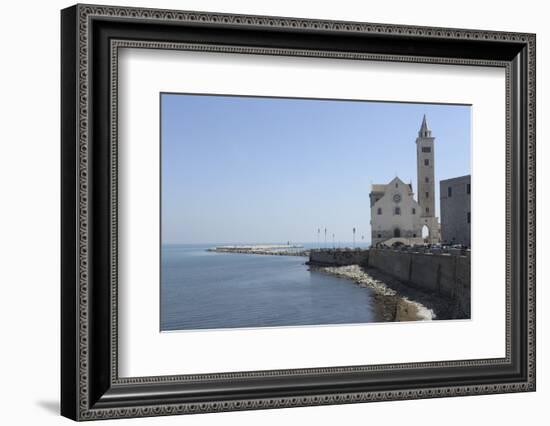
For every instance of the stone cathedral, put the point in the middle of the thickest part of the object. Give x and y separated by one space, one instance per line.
395 214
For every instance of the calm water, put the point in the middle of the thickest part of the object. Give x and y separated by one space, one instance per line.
201 290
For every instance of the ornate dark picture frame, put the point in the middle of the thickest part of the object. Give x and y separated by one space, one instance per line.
90 385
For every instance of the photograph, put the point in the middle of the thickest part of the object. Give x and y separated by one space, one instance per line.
286 212
264 209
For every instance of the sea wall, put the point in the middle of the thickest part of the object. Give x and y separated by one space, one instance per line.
338 257
444 274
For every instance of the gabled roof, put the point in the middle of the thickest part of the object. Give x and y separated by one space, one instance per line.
381 187
378 187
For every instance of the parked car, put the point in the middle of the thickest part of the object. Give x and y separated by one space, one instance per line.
436 248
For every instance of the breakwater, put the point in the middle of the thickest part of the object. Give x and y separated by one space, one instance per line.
269 250
447 275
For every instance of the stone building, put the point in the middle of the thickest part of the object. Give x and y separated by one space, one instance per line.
395 214
455 210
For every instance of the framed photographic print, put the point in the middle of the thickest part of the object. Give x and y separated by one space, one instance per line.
263 212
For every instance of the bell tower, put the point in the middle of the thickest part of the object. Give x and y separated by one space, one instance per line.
425 170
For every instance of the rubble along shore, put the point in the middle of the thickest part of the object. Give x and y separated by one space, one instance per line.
268 250
393 300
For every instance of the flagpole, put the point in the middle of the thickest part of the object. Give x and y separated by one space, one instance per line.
318 237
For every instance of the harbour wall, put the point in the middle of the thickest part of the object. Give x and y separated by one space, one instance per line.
338 257
444 274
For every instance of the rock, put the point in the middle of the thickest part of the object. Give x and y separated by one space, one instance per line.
392 305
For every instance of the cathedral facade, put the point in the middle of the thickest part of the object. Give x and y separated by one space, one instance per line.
395 214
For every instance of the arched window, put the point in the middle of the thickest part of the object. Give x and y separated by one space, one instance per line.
425 232
397 210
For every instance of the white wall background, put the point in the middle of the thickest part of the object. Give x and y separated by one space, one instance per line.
29 211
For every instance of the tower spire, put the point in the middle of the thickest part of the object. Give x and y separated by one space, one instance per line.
424 131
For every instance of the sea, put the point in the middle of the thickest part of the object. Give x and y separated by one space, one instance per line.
208 290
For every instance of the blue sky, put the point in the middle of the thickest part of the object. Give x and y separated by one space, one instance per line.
259 170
